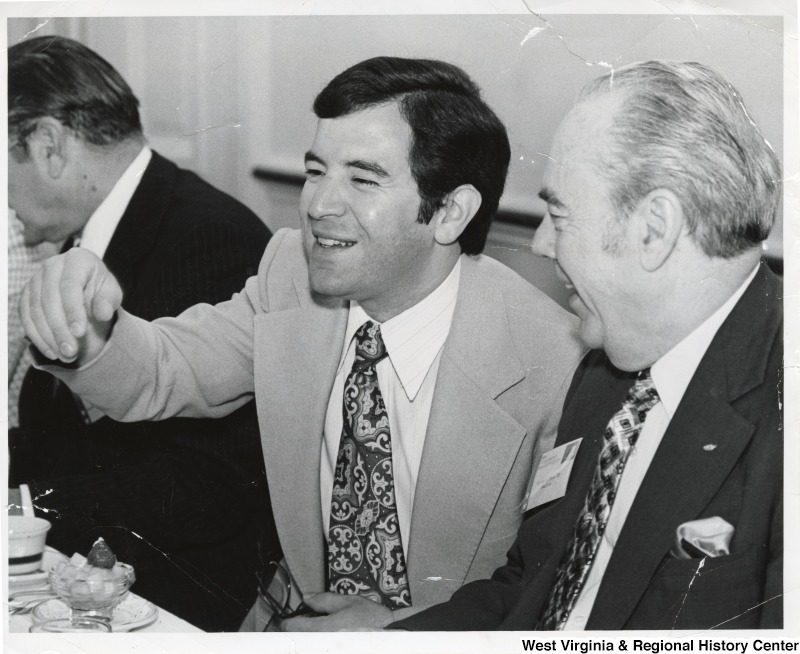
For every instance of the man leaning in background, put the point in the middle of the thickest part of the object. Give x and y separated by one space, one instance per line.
404 382
660 192
183 501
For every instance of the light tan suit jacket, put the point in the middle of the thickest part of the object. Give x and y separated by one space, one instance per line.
504 371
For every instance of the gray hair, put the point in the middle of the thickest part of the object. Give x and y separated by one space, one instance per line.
681 126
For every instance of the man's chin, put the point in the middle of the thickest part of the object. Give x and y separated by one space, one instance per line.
324 284
35 236
32 238
590 333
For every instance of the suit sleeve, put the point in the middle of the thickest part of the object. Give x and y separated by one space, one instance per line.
171 479
198 365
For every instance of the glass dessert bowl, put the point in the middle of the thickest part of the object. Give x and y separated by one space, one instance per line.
91 587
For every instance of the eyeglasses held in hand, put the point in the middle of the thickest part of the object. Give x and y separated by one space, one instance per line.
275 588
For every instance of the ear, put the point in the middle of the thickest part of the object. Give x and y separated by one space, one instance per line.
460 206
47 147
659 223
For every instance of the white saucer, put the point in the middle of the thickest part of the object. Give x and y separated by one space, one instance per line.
132 613
38 579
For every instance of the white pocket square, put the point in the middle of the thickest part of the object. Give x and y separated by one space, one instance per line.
706 537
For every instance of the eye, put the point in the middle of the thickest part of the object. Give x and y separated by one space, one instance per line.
558 219
313 173
363 181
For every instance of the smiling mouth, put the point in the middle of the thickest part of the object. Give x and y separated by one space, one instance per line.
333 243
562 277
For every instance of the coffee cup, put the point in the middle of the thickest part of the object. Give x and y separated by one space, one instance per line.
26 538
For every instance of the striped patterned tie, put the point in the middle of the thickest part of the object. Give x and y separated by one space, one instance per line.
620 436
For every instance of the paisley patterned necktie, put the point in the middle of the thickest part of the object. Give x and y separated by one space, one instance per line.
365 550
620 436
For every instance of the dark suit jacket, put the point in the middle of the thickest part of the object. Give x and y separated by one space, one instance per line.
733 402
184 501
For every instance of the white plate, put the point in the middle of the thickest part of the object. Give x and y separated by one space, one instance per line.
132 613
38 579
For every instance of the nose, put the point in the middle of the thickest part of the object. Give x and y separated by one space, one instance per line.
544 240
323 198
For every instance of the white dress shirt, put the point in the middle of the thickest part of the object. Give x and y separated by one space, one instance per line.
407 377
671 375
97 232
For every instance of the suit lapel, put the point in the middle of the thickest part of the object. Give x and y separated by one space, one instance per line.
471 442
138 228
295 367
586 417
687 471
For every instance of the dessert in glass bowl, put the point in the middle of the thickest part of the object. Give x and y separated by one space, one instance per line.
92 587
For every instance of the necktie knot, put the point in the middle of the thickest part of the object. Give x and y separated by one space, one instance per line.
370 348
643 396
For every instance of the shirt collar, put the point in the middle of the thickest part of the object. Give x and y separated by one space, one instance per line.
673 371
100 228
414 337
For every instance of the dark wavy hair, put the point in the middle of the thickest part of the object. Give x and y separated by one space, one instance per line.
61 78
456 138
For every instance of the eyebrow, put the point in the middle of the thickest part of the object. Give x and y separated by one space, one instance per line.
361 164
368 166
551 198
310 156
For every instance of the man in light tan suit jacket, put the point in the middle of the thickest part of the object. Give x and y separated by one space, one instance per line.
403 179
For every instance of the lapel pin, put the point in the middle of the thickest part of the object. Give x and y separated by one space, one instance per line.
710 447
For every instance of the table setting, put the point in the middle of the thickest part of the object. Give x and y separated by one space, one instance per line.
49 592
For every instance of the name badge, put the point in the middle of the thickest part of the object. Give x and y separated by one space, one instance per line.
552 475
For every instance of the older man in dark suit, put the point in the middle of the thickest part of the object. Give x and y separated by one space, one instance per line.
183 501
660 191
